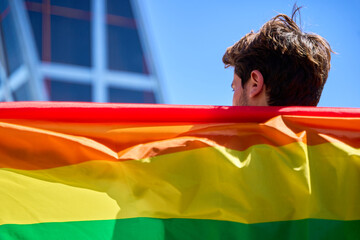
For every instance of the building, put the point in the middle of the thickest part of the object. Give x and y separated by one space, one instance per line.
65 50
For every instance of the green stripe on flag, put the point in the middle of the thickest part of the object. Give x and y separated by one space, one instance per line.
151 228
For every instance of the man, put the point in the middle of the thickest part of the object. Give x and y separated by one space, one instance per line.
279 65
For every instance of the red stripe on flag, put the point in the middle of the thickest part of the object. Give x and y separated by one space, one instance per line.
110 112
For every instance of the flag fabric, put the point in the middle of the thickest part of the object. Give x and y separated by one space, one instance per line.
135 171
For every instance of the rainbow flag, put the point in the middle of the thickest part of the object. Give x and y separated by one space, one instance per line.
123 171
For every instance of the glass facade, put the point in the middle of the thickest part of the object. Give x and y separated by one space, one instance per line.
120 8
36 23
80 5
125 52
88 50
62 30
130 96
10 41
70 41
69 91
22 93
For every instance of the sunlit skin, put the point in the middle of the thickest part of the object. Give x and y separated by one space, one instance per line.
252 94
239 97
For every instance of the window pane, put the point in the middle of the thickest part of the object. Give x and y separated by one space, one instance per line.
36 1
120 8
70 41
22 93
10 40
3 5
124 50
36 24
65 91
76 4
130 96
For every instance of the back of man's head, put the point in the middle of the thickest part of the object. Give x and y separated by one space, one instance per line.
294 64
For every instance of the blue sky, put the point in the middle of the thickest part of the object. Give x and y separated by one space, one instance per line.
189 39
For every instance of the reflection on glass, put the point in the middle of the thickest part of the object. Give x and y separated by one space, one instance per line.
121 95
66 91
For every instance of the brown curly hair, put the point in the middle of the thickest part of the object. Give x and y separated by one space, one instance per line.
294 64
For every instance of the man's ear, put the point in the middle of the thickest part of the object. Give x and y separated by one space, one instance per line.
256 83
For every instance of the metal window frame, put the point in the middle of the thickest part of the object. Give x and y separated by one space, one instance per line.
28 48
149 54
99 54
4 88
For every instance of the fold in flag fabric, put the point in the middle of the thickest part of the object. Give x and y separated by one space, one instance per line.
132 171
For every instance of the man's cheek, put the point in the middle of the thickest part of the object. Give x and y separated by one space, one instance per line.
235 101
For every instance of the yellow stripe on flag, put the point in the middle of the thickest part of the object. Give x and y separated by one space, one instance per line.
263 183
